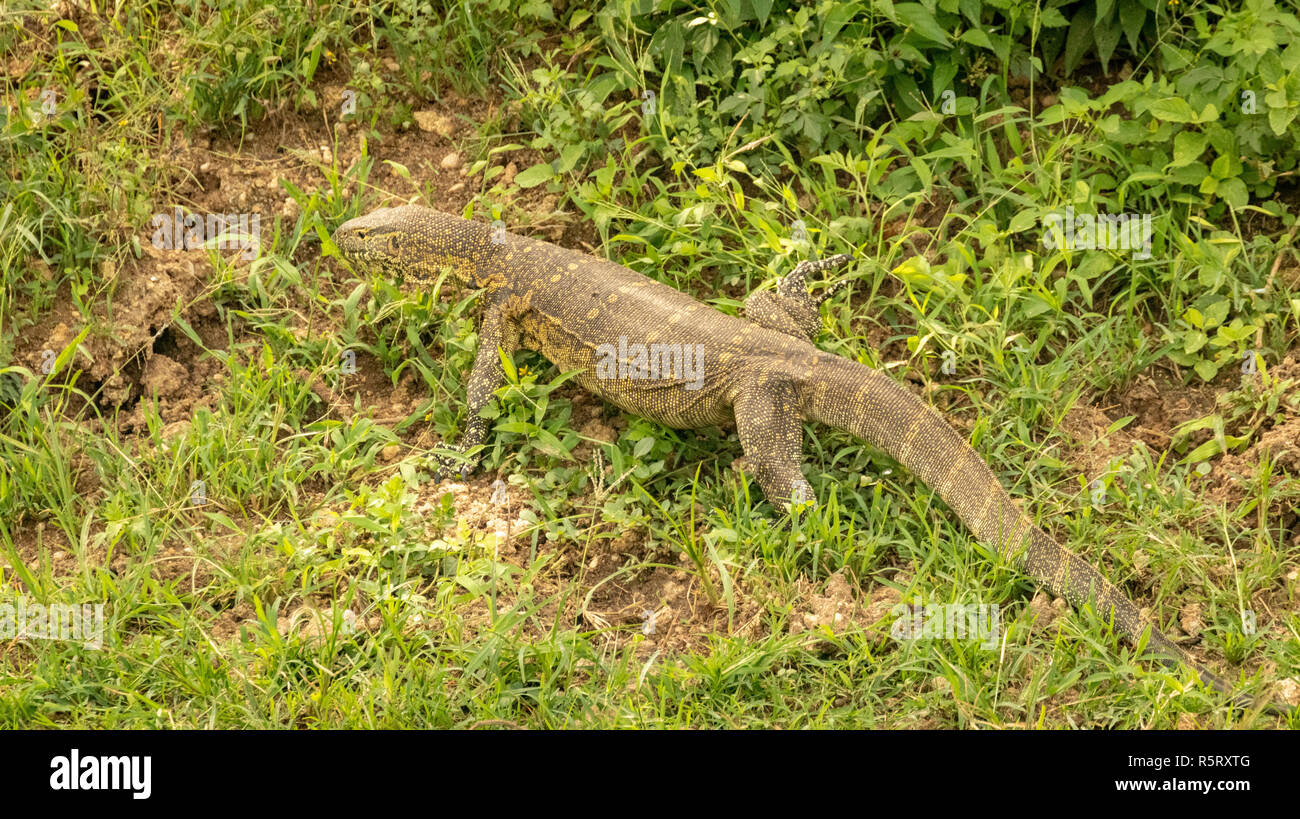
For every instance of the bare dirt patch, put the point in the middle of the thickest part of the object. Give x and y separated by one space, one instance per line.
611 583
1159 404
1274 437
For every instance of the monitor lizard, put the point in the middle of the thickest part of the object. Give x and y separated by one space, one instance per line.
761 373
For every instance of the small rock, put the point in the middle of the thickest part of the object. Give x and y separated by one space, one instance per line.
389 453
452 161
435 122
1190 619
1289 691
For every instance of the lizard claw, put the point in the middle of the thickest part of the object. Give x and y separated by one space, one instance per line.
832 290
821 265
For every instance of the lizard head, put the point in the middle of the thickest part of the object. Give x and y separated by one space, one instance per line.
415 243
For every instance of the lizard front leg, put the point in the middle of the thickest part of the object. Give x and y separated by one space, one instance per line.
496 335
771 433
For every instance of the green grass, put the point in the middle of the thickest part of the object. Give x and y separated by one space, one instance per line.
324 581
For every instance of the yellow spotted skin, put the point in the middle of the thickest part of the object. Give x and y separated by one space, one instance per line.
761 373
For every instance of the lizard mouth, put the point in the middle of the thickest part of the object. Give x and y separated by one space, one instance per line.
343 240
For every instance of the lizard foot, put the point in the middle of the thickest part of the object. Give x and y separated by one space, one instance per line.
447 466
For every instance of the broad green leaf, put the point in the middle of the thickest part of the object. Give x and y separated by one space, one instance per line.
1216 313
922 172
569 158
977 37
1188 147
1234 192
534 176
643 446
1079 38
1106 35
1023 220
1132 16
1280 118
918 18
1172 109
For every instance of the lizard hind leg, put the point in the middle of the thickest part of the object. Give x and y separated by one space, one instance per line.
792 309
776 312
771 433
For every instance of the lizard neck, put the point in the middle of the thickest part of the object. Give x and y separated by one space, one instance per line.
473 253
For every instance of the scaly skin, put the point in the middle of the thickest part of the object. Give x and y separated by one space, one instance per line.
762 374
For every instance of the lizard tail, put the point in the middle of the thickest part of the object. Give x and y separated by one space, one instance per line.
867 403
